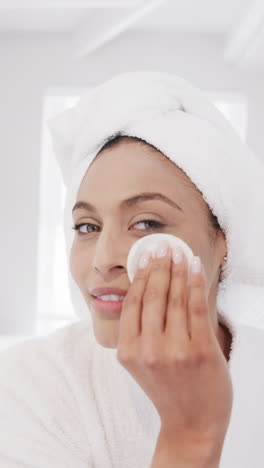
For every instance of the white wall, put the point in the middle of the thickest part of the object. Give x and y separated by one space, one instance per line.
29 64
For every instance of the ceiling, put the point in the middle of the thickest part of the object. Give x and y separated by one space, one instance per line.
65 15
94 23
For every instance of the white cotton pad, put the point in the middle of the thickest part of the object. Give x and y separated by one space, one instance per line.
148 244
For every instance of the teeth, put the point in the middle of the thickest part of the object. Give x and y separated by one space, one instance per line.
111 297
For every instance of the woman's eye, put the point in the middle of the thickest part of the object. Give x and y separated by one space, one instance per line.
77 227
152 226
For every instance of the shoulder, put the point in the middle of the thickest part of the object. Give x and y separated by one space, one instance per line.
37 369
63 342
40 382
248 338
247 372
246 363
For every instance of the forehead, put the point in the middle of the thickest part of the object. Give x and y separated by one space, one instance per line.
130 167
138 157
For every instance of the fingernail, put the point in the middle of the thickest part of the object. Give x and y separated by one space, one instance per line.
161 249
144 260
196 265
177 254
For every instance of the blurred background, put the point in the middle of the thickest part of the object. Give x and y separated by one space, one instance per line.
53 51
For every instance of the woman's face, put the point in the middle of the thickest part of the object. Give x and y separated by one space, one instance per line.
99 253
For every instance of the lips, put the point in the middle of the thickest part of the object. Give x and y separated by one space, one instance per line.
107 308
104 291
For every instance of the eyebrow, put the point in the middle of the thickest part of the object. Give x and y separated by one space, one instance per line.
132 201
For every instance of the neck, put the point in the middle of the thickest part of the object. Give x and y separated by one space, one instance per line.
222 332
225 339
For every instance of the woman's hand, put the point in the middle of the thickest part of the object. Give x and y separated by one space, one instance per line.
167 343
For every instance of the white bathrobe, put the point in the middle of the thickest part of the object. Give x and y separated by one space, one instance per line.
67 402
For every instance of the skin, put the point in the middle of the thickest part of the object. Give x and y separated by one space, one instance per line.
97 259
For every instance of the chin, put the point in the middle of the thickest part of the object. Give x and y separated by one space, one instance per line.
108 346
106 343
106 334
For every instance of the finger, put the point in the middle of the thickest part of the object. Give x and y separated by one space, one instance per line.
177 321
200 323
155 296
130 319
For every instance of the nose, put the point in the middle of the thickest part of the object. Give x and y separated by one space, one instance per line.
110 254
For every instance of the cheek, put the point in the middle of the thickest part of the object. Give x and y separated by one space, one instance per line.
200 245
76 262
210 272
72 262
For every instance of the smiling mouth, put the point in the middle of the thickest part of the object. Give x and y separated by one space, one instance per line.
107 308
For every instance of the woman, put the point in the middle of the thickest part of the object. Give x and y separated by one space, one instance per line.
120 395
